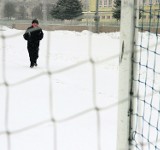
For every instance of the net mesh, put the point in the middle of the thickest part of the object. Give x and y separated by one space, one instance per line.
31 135
145 107
145 112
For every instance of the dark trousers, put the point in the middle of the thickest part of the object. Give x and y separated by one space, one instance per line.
33 50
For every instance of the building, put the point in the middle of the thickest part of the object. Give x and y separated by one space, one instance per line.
105 10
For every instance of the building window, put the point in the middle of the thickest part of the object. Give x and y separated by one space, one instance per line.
110 3
105 3
100 3
103 17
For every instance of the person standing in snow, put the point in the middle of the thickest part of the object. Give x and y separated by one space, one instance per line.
33 35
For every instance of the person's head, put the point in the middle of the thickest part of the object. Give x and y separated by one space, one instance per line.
35 23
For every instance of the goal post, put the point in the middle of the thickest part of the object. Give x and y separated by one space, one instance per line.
127 34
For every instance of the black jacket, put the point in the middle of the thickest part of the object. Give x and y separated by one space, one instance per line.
33 35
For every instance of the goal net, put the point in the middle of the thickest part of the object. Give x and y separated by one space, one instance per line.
68 102
145 108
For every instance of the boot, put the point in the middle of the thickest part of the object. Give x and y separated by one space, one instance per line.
35 63
31 65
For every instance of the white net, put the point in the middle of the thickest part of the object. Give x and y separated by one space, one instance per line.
69 101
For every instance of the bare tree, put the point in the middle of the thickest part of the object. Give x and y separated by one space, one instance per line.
22 12
9 10
37 12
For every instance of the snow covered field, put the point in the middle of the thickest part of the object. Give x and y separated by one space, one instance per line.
54 106
68 102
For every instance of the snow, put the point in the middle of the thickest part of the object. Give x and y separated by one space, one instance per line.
68 101
58 111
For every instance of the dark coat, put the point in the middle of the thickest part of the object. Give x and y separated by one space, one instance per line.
33 36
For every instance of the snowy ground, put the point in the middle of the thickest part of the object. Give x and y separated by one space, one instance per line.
68 102
57 111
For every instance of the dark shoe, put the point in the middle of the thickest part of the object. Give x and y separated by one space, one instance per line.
32 65
35 63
